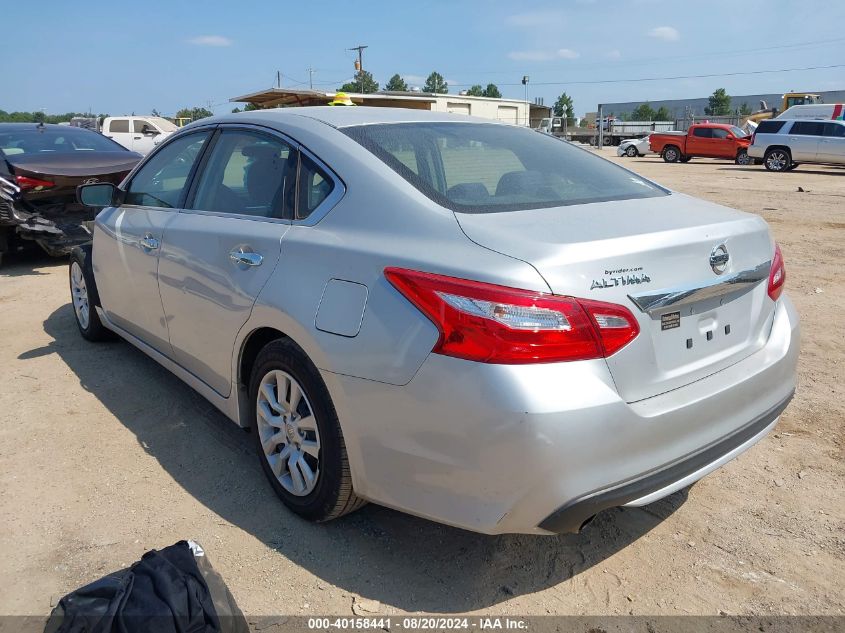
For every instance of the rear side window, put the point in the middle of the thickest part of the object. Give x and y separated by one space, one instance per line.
117 126
808 128
703 132
314 187
770 127
161 180
485 168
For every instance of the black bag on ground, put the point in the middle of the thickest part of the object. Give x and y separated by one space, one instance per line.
174 590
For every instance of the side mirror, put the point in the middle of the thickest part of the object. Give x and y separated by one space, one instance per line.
99 194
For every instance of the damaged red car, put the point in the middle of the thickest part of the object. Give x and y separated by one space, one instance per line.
40 168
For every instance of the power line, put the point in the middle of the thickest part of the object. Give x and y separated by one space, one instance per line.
639 79
649 60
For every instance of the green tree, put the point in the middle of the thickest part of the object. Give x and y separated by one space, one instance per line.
492 91
719 103
249 107
194 113
643 112
436 84
363 83
564 107
396 83
744 109
662 114
476 91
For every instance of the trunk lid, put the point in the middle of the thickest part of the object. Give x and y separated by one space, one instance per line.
654 257
67 170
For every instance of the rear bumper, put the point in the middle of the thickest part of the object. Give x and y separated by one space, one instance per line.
756 151
659 484
540 448
57 232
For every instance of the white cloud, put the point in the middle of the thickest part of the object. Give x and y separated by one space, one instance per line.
534 19
210 40
567 53
543 56
613 54
668 33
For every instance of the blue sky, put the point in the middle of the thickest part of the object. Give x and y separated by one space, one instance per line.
118 58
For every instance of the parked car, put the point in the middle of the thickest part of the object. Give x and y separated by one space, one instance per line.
783 144
40 168
709 140
633 147
138 133
454 317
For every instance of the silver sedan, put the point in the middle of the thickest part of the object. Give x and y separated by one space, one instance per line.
457 318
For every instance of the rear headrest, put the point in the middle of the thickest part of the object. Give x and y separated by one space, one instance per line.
516 182
468 192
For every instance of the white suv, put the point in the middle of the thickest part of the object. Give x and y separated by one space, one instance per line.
783 144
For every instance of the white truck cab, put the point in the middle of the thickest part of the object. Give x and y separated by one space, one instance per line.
138 133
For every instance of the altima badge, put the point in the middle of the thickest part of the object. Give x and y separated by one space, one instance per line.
621 277
719 258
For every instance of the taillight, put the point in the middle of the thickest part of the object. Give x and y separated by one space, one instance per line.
497 324
33 184
777 275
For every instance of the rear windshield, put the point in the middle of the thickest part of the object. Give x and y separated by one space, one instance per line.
485 168
61 139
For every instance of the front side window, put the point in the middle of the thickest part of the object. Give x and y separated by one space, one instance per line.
834 129
248 174
138 126
314 187
719 133
484 168
160 182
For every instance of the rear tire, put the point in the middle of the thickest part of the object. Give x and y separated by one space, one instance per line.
671 154
297 434
777 159
84 298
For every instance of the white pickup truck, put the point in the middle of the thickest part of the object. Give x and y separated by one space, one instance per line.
138 133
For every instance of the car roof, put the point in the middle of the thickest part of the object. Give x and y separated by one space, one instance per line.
725 126
345 116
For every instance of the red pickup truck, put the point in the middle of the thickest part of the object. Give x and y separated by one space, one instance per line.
711 140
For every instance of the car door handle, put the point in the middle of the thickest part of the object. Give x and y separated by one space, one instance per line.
240 256
149 243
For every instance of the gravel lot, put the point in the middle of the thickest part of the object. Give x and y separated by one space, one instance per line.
104 455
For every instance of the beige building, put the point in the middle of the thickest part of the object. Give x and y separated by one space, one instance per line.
508 110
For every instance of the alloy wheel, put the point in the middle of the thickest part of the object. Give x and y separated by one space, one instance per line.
777 160
631 151
79 294
288 432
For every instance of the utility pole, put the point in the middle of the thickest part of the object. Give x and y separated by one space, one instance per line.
278 79
525 80
359 66
311 72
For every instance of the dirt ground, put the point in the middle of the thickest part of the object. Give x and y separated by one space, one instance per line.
104 455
